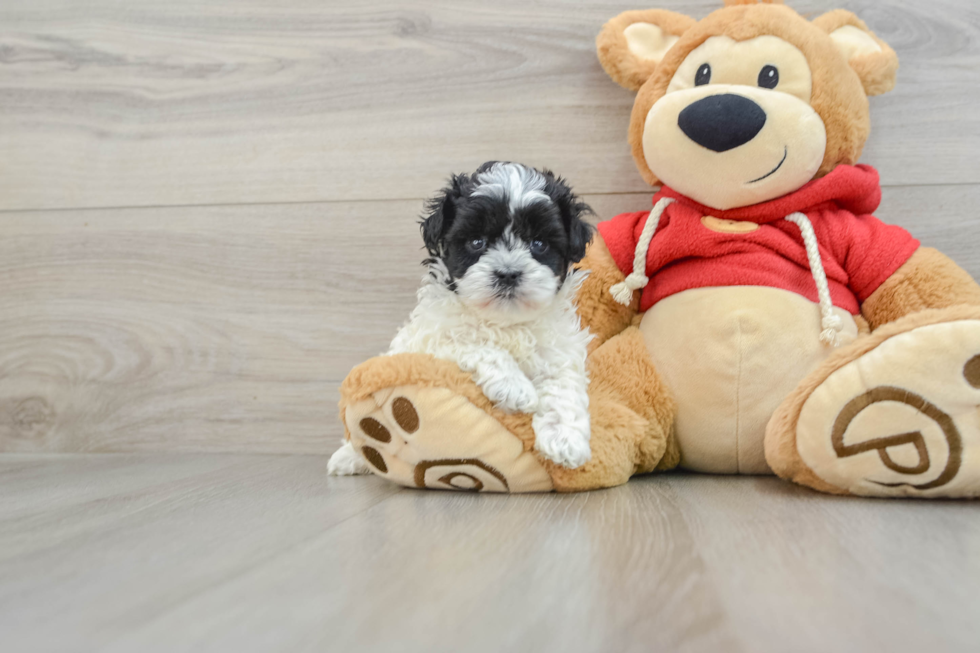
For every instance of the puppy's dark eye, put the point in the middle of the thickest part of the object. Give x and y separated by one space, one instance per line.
769 77
477 245
538 247
703 75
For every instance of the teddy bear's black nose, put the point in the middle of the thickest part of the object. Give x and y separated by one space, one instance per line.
722 122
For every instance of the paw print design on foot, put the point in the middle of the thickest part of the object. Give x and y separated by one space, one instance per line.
902 419
434 438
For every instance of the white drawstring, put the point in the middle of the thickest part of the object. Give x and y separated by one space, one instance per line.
831 323
622 292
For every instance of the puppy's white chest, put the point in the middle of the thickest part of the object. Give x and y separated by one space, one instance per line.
519 342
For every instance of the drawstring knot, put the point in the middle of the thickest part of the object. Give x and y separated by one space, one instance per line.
622 292
831 324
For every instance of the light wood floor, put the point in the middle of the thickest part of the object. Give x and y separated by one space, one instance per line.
225 552
193 195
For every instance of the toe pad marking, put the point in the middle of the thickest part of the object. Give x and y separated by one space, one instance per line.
375 429
405 414
972 371
375 458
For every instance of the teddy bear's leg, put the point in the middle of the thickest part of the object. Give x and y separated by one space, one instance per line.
896 413
421 422
602 315
632 416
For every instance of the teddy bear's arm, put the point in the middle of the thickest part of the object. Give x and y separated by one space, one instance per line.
929 279
599 311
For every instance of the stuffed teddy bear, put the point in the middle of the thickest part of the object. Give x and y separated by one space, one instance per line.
759 319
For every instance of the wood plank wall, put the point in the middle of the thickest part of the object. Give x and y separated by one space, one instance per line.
207 209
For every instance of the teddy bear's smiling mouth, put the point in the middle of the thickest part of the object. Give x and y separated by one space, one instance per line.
773 171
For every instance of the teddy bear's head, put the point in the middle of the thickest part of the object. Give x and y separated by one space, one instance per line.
751 102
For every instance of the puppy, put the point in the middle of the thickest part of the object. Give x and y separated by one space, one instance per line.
499 300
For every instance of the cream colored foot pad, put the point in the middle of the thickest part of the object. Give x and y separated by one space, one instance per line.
434 438
902 420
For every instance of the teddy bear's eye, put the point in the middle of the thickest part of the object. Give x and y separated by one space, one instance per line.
703 75
768 77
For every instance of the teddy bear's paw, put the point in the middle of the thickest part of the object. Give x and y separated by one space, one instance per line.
347 462
562 442
512 394
429 437
902 419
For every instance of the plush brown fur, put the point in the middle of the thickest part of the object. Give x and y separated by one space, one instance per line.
929 279
876 71
603 318
614 55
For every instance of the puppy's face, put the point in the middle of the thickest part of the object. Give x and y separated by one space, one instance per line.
507 236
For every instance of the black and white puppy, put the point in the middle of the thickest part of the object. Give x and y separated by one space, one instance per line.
498 299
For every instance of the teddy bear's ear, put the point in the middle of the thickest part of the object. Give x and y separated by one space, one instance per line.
632 44
870 57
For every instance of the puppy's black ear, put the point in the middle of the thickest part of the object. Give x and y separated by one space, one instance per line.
440 213
573 214
579 236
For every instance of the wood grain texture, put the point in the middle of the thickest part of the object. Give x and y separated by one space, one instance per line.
249 553
140 102
272 157
230 328
197 329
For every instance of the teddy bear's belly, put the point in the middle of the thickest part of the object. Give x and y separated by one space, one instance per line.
730 356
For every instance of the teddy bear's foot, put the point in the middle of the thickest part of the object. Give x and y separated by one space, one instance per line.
418 434
434 438
895 414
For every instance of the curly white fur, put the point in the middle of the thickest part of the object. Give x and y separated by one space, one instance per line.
347 462
497 301
534 362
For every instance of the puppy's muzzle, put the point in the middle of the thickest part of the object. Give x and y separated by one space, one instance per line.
507 279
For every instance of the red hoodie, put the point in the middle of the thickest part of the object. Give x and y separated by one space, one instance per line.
859 251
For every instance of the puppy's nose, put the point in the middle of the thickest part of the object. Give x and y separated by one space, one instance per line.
507 277
722 122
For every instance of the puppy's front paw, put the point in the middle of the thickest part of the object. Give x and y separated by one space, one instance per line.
513 394
347 462
562 443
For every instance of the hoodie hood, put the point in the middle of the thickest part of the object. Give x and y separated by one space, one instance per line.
851 188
